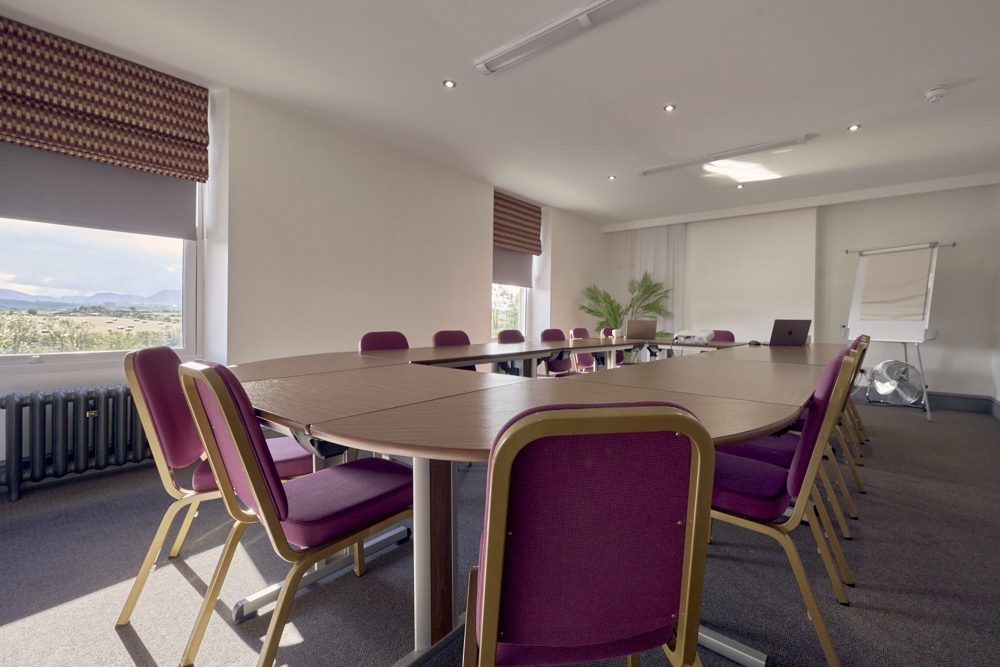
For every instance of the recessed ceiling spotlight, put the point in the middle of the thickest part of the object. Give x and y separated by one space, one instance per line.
739 186
670 107
854 128
448 83
611 178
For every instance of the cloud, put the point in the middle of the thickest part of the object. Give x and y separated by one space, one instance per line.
7 276
173 268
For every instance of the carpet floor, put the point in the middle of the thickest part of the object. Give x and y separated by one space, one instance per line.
924 555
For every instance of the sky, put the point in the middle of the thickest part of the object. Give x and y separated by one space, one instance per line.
56 260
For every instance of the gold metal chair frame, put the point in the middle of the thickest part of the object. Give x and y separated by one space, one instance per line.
182 497
808 501
301 559
682 651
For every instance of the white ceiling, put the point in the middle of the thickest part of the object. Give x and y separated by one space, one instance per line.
554 127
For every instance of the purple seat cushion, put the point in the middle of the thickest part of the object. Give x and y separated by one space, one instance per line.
336 501
776 451
289 458
749 488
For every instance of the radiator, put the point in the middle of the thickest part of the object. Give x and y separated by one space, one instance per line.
51 434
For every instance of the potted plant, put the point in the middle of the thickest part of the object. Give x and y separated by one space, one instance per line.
648 300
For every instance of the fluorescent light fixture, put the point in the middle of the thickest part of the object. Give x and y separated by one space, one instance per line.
741 172
736 152
593 14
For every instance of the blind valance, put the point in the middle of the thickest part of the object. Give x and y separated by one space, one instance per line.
67 98
517 225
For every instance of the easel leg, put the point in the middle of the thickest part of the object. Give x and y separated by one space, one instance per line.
923 381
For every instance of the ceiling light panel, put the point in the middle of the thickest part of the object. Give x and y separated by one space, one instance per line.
741 172
560 30
722 155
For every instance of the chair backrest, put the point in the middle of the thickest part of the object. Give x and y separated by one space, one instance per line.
383 340
237 450
582 358
510 336
159 400
606 332
560 365
815 421
723 336
624 485
446 338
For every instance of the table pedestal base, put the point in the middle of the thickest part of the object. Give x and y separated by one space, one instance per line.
247 608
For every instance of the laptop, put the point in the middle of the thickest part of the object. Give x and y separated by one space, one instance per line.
641 329
790 332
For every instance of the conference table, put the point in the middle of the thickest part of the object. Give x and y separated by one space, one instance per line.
403 403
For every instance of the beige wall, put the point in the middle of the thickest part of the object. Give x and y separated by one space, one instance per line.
332 235
743 273
572 258
965 287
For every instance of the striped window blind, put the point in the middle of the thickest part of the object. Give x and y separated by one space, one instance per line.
517 225
63 97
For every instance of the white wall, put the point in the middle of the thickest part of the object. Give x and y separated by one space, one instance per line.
572 258
743 273
964 306
332 235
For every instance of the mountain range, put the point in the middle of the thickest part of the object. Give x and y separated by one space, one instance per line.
13 298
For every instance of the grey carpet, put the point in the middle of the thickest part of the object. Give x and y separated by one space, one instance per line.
924 555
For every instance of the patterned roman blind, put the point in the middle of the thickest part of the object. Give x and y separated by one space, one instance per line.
517 225
67 98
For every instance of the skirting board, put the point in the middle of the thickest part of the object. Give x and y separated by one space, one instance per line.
964 403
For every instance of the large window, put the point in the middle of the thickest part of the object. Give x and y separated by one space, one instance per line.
73 289
509 308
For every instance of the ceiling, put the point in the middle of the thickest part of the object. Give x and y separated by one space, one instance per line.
553 128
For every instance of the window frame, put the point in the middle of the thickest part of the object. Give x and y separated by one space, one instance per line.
18 364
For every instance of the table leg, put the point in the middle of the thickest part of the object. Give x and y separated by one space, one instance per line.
528 367
732 649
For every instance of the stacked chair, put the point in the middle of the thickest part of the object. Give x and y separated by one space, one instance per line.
534 599
174 442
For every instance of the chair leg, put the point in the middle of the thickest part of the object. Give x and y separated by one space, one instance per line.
212 594
359 558
831 538
834 503
280 614
185 525
810 598
147 563
857 417
824 551
470 652
849 459
852 511
853 439
634 660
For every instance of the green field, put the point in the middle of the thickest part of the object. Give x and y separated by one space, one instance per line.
86 328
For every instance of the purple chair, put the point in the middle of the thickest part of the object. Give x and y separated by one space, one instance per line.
585 361
449 338
383 340
174 442
723 336
319 514
754 495
619 354
510 336
560 367
625 485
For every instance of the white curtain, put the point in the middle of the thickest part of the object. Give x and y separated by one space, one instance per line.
659 250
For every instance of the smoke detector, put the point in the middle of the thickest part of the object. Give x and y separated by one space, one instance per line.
935 94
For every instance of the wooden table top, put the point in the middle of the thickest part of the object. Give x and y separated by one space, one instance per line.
462 427
818 354
309 364
712 344
488 352
709 375
300 401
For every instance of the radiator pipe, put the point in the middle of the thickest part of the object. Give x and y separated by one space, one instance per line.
12 404
60 433
81 430
36 435
101 439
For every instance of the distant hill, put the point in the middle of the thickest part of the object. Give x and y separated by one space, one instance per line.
14 295
14 299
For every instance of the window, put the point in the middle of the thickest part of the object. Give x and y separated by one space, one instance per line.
509 308
70 289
